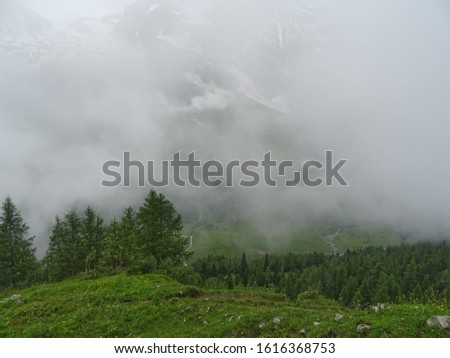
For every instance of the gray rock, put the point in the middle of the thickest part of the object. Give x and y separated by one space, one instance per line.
363 328
15 298
316 323
441 322
379 307
338 317
277 320
304 332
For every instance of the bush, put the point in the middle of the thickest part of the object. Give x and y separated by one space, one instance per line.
309 295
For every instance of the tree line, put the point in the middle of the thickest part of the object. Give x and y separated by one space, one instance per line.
141 241
406 273
150 239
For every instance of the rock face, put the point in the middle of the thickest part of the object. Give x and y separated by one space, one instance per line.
363 328
442 322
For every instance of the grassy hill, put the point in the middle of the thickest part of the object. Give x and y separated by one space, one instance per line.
157 306
233 238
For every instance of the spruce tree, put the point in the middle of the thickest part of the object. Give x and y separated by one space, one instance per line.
160 231
244 270
92 235
18 263
65 256
54 261
72 253
121 251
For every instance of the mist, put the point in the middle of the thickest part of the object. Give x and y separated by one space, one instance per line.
82 83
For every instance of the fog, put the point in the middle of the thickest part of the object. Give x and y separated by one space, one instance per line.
81 83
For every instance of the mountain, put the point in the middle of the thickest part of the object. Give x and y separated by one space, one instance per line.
222 52
206 53
19 21
29 37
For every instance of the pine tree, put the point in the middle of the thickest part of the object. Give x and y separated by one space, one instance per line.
230 284
121 251
92 236
290 287
72 253
65 256
54 261
382 289
159 232
18 263
244 270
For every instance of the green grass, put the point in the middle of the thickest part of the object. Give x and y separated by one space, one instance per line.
233 238
156 306
365 236
243 236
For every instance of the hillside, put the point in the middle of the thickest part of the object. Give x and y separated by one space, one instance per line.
156 306
233 238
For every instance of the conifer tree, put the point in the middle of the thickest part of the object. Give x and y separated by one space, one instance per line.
160 231
121 251
244 270
18 263
92 236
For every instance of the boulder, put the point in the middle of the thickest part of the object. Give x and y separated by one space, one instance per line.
441 322
14 298
363 328
378 308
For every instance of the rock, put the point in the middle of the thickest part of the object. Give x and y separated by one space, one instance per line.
441 322
338 317
304 332
277 320
379 307
262 325
316 323
363 328
15 298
